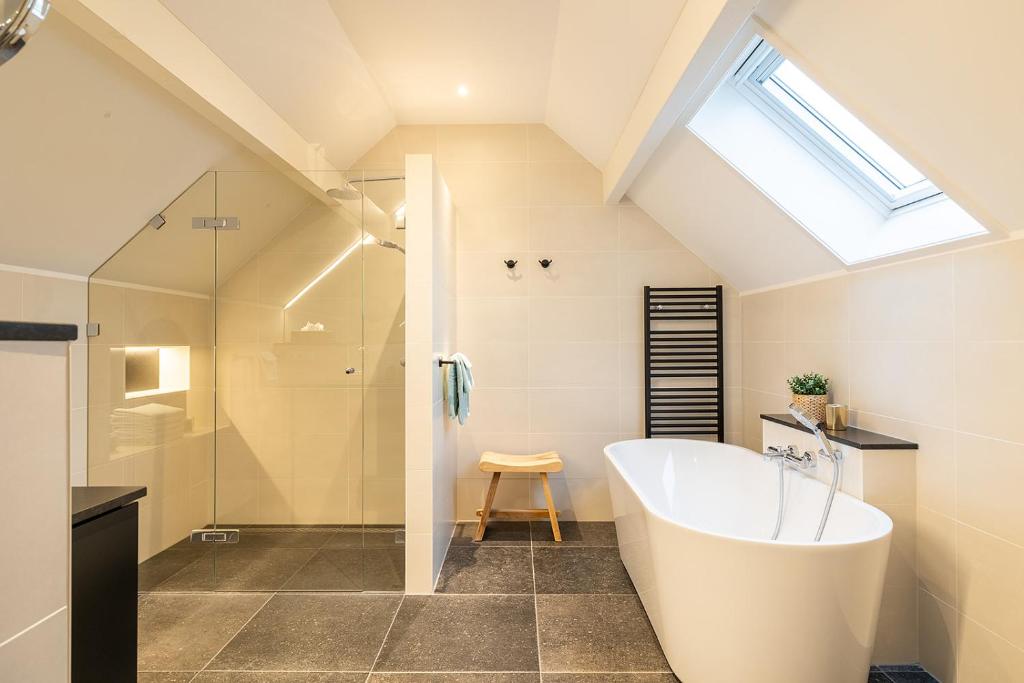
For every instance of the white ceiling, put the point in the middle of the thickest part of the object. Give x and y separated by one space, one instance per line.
344 72
295 55
420 52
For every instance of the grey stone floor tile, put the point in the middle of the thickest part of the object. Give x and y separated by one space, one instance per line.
284 537
904 676
454 678
164 677
311 632
167 563
462 633
486 569
878 677
279 677
575 533
581 633
611 678
498 533
580 570
239 569
181 632
372 537
351 569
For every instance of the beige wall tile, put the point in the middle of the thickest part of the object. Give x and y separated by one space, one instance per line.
572 364
487 184
984 657
574 228
564 183
485 275
498 364
989 589
473 444
499 410
579 319
492 320
937 636
818 311
501 229
416 140
936 554
39 654
661 269
575 273
560 409
890 477
990 293
461 144
907 302
989 378
764 316
906 380
765 367
988 496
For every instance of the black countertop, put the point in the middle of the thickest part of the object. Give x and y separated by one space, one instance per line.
89 502
851 436
24 331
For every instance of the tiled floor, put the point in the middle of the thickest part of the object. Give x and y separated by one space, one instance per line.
283 559
517 608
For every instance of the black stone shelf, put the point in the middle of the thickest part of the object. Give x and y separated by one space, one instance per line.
23 331
851 436
89 502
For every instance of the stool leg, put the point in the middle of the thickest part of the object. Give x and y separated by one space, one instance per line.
486 512
551 507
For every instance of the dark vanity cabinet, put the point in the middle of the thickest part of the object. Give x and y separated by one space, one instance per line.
104 583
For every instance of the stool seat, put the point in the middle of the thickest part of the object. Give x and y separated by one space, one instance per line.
538 463
503 462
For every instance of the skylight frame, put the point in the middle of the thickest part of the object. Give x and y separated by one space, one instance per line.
834 149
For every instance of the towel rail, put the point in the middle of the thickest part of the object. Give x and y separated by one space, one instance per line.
683 348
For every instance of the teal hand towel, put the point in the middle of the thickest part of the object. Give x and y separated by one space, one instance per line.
463 371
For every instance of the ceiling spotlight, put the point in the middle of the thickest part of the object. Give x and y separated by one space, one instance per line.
462 90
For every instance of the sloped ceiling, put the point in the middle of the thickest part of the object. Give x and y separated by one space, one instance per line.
296 56
92 150
343 72
930 79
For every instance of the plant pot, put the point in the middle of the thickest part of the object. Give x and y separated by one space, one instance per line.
812 405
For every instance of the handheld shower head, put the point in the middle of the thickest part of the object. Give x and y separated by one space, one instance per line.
802 418
388 244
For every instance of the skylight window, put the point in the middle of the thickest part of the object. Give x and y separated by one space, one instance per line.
828 130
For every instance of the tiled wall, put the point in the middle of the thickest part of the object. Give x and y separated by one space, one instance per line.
56 298
177 472
34 506
430 333
557 353
932 351
300 441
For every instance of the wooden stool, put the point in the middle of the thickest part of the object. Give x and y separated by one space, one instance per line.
500 462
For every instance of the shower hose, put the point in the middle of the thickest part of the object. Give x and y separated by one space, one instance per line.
828 501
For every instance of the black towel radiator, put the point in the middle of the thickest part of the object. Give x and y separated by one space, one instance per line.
684 384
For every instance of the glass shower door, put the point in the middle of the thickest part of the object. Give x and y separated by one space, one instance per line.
289 380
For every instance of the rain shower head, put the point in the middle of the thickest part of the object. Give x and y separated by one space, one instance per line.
346 191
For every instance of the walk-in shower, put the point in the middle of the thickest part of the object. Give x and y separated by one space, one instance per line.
247 369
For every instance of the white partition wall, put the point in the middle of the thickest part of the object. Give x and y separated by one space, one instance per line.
34 509
430 448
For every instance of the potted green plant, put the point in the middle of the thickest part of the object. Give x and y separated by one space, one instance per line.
810 394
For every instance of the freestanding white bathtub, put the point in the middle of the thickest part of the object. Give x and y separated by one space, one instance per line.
729 605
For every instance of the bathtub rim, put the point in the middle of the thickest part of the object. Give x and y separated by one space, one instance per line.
886 521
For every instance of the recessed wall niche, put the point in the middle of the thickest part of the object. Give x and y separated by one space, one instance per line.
153 370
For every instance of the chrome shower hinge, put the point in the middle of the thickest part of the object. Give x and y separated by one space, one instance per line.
215 223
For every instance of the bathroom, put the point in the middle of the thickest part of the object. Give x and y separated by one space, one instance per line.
245 251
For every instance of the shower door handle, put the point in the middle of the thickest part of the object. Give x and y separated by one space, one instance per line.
350 371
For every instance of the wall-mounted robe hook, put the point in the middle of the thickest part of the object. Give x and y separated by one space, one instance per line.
510 264
545 262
